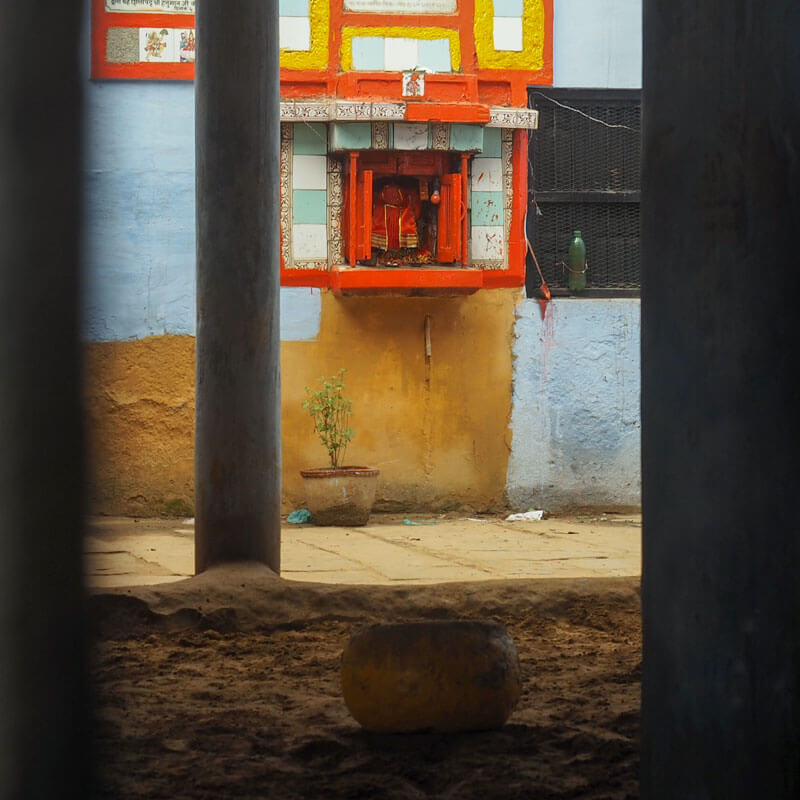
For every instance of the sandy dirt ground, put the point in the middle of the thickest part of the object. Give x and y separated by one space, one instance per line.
227 686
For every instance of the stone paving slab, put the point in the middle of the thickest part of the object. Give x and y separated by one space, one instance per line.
125 552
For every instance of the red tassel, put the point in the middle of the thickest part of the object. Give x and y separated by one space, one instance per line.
544 289
543 301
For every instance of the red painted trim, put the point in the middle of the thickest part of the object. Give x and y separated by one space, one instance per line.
363 19
353 210
467 30
464 238
372 281
546 74
447 112
316 278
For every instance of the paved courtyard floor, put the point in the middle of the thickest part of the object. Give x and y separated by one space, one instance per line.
392 549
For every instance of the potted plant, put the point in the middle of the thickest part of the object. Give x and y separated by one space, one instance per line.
336 495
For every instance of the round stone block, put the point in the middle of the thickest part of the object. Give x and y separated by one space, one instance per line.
459 675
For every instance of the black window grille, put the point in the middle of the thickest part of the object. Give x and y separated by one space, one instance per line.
584 175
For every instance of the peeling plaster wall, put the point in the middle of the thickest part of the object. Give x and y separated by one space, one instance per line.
575 403
437 428
575 406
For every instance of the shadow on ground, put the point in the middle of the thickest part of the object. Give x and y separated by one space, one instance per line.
227 685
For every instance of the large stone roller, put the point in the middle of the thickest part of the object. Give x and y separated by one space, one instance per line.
457 675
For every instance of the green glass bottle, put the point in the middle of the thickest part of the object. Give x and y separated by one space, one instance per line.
576 261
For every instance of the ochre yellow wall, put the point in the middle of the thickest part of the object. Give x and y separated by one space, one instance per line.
139 402
437 430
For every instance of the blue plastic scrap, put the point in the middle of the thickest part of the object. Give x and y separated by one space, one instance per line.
409 522
299 516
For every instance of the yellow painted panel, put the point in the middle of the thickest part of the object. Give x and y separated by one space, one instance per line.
398 32
533 32
317 56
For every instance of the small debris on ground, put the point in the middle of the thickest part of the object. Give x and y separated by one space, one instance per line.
300 516
537 514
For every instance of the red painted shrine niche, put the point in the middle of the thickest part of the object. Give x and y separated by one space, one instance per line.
405 209
420 222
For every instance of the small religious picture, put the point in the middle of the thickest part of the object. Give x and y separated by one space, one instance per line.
155 45
414 83
186 45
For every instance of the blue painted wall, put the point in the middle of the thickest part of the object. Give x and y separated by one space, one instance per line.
575 416
140 242
575 406
597 44
139 236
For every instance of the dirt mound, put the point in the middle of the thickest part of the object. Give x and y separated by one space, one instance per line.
227 685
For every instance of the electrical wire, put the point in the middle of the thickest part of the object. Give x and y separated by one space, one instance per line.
588 116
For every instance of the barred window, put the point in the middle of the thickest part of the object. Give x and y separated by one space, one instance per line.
584 174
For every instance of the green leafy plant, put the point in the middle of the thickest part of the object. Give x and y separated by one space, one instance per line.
330 411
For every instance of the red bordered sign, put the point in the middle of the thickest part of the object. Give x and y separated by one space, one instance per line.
143 39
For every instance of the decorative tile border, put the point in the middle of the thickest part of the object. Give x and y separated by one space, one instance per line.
505 117
318 264
348 110
364 111
395 111
340 110
380 135
287 135
335 209
440 135
506 153
306 111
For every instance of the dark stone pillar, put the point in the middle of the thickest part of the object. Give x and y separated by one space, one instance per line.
43 699
721 565
237 422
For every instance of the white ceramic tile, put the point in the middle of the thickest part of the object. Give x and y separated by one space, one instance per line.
309 172
487 242
309 241
411 135
400 54
295 33
487 175
157 45
508 33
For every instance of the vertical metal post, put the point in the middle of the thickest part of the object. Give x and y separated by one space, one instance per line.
721 553
43 699
237 423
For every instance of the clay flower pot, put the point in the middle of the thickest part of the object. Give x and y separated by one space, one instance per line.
341 496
